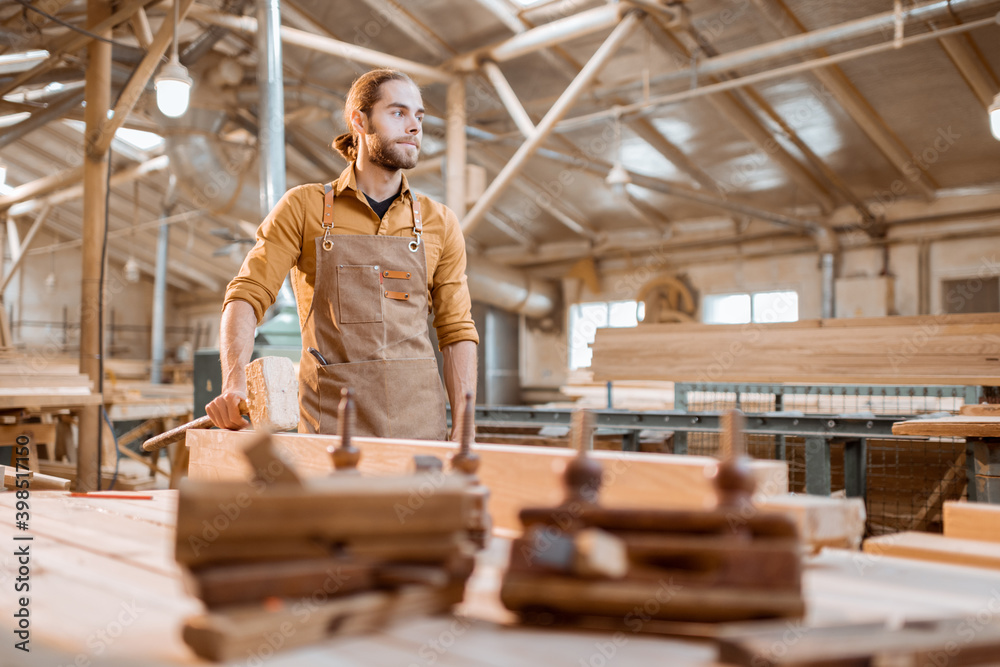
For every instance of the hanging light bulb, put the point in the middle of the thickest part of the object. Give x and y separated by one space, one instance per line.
173 85
50 280
173 89
131 270
995 117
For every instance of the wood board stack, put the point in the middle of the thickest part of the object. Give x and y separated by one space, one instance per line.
355 552
35 384
585 565
971 537
934 349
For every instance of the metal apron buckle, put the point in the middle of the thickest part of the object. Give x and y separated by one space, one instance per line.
415 243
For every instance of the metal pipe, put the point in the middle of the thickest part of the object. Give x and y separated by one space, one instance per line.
508 97
651 105
324 45
271 107
551 34
159 325
544 128
817 39
271 124
509 289
850 100
455 159
828 260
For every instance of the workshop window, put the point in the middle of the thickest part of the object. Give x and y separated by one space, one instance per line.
586 318
971 295
761 307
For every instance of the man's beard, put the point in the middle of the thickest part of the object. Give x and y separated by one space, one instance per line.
388 154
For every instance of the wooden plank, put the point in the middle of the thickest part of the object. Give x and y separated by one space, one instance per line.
972 521
981 410
822 522
937 548
949 642
231 634
518 477
966 426
122 482
953 350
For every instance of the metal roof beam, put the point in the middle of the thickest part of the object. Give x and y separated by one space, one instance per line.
322 44
554 114
550 34
856 106
744 121
970 64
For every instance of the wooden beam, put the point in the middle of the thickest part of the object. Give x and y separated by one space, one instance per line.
936 548
954 427
71 41
517 476
23 249
140 28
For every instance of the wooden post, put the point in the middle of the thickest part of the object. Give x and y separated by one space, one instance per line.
95 171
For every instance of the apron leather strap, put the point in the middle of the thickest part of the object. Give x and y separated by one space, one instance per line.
327 216
418 222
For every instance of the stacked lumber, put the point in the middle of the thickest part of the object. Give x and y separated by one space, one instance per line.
37 383
937 349
359 552
971 537
582 564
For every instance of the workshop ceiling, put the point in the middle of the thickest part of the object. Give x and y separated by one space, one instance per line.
806 145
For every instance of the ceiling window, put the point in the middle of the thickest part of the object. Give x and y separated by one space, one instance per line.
133 143
760 307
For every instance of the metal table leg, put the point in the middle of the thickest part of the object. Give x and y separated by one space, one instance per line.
855 467
818 466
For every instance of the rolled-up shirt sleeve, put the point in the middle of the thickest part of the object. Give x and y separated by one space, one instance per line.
279 243
450 289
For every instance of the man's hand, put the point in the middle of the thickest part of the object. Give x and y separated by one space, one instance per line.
224 411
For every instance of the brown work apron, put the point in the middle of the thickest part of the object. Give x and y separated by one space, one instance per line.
368 320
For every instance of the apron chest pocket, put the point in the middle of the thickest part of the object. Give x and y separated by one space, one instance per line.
359 292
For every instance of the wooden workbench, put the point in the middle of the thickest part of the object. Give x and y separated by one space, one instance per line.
106 591
982 442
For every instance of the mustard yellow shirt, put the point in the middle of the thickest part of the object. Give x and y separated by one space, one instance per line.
286 241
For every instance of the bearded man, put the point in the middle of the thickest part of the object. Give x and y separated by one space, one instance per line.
370 258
